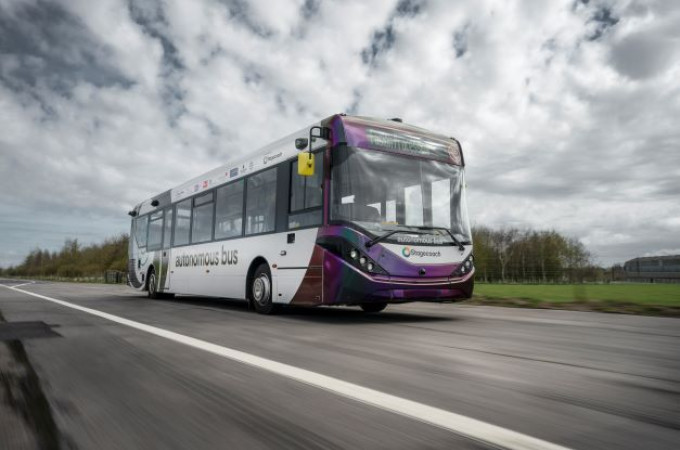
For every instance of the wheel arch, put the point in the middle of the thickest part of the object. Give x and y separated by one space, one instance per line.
146 279
254 264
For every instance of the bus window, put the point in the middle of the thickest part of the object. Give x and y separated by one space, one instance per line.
155 230
306 195
413 198
141 225
167 230
202 218
261 202
229 216
391 211
441 203
182 222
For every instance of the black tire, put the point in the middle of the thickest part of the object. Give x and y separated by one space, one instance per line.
373 307
151 286
260 291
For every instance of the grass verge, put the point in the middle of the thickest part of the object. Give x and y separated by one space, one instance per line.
647 299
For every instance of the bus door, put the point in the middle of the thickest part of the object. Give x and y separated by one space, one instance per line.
164 282
305 215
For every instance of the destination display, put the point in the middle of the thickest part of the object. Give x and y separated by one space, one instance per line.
412 144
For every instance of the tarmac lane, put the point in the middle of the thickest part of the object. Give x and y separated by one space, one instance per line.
117 370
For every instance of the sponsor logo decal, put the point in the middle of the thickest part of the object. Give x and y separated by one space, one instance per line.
268 158
233 172
408 252
208 258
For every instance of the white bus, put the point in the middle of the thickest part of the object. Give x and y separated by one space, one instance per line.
350 211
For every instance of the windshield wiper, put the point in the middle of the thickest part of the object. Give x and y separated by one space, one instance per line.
461 247
382 237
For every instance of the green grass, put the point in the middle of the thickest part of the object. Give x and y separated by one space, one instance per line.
651 299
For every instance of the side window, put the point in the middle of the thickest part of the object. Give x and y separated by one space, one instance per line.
141 230
202 218
155 230
167 229
182 222
306 195
261 202
229 211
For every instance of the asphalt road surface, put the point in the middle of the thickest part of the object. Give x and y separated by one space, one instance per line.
573 379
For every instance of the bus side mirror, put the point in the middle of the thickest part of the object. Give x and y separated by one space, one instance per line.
301 143
305 164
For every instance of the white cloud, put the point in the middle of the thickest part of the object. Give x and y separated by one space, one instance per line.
567 111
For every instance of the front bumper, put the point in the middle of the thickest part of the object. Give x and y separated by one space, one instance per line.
346 285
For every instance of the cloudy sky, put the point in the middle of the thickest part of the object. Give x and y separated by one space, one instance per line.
568 111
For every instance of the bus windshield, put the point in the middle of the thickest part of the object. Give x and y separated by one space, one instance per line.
381 192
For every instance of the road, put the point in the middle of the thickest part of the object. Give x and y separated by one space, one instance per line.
573 379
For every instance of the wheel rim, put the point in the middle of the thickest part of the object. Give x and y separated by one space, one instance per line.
152 285
261 288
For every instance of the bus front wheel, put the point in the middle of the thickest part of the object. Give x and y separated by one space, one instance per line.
373 307
261 290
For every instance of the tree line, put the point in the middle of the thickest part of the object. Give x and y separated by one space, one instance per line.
74 260
501 255
528 256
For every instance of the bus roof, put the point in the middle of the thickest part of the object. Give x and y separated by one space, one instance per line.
386 135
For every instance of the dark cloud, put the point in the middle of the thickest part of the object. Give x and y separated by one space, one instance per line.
44 46
642 55
240 12
150 17
603 19
460 41
382 41
409 8
310 9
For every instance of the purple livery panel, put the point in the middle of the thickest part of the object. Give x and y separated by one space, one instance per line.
338 282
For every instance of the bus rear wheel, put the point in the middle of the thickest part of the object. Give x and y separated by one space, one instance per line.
373 307
152 290
261 291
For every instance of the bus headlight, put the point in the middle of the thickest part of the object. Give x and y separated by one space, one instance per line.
361 261
351 255
466 267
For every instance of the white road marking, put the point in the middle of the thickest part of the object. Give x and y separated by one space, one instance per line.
459 424
22 284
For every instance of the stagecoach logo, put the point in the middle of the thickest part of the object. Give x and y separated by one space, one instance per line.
210 258
269 158
408 252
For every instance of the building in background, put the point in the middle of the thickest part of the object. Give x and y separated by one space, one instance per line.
651 269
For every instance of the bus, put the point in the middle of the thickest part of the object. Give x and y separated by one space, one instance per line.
348 211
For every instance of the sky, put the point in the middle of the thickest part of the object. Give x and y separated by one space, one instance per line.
568 111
